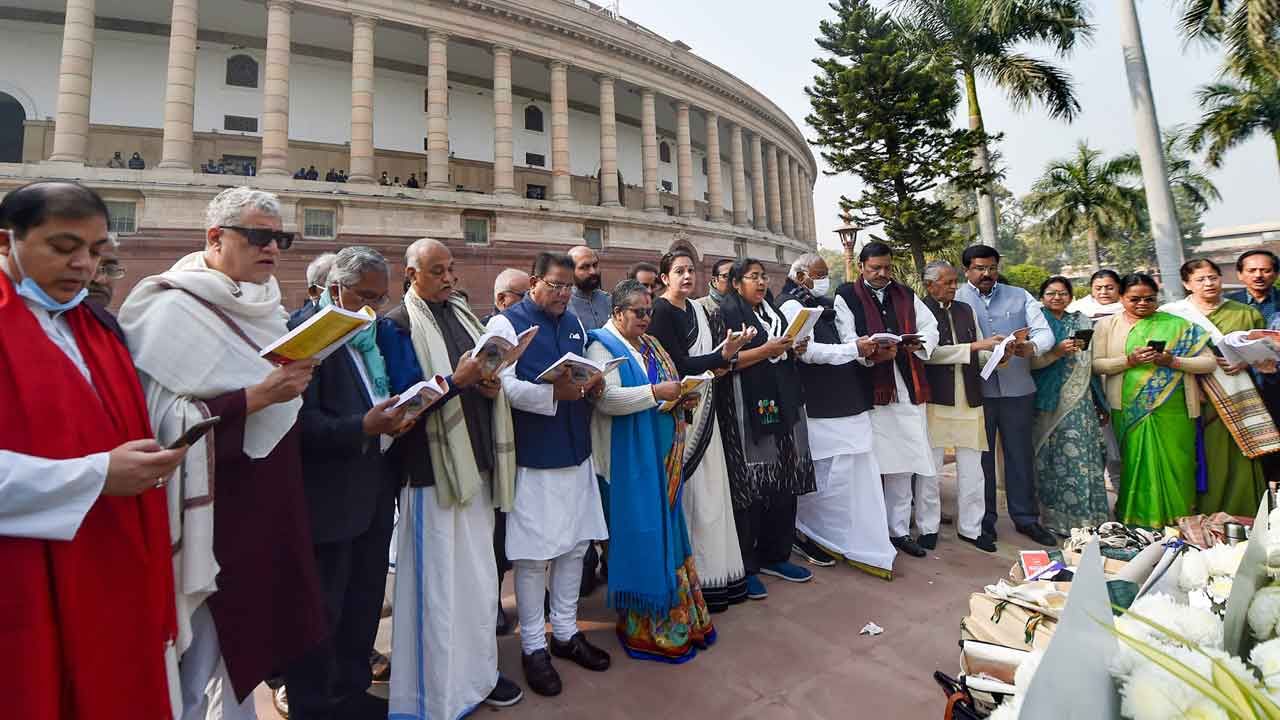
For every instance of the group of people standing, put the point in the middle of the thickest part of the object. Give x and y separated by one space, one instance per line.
159 579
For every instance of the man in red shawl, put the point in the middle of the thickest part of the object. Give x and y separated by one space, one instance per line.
87 602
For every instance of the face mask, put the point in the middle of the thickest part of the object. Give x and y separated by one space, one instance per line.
821 286
32 291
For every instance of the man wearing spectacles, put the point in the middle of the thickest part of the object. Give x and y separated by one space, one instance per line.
249 600
557 511
718 286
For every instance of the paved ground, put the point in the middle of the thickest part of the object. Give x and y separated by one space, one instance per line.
795 655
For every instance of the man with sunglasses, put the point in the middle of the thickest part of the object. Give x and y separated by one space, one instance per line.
718 286
557 511
248 594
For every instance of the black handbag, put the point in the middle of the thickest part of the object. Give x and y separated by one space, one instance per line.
960 704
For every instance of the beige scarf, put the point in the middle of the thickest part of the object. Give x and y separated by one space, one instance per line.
452 459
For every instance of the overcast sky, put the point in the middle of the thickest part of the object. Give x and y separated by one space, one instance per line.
770 46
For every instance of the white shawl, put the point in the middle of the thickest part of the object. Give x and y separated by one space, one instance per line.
1185 309
184 352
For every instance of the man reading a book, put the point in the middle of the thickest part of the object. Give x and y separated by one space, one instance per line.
557 510
459 464
248 596
84 536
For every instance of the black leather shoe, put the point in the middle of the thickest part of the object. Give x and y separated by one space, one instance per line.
1039 534
504 694
907 545
982 542
503 626
582 652
928 541
541 677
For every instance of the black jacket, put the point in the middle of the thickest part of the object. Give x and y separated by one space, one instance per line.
348 481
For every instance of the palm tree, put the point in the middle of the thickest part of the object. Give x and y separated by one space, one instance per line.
1087 195
1248 29
978 38
1191 188
1234 111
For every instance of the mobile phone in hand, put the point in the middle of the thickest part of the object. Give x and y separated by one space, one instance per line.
1157 345
1083 336
194 433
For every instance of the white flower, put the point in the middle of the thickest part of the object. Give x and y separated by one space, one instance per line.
1007 710
1194 573
1199 599
1204 709
1220 588
1153 694
1222 559
1266 657
1264 611
1201 627
1027 670
1234 665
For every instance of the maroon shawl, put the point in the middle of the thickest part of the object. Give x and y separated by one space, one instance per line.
911 366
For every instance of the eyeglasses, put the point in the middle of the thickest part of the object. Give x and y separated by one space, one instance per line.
1142 299
556 287
1206 280
639 313
262 237
757 277
369 298
112 270
721 276
1057 293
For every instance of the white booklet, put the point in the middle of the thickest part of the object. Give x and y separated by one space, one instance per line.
997 357
885 338
420 396
581 369
498 351
688 385
1248 346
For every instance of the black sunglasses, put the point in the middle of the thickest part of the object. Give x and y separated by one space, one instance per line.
639 313
262 237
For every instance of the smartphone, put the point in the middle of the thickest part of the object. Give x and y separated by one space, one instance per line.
1084 336
194 433
1157 345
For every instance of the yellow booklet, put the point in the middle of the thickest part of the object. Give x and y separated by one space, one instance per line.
320 335
688 385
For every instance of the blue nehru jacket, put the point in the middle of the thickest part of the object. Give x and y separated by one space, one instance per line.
562 440
1002 312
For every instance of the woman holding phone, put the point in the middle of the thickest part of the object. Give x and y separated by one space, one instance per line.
1145 357
1067 433
1230 480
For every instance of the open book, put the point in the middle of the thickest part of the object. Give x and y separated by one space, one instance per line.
997 355
1249 346
802 326
497 351
420 396
320 335
688 385
885 338
582 370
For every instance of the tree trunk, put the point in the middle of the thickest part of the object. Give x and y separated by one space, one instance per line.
1275 137
1095 255
981 161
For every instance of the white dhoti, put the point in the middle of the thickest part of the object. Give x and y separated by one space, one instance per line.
444 651
901 438
847 513
556 513
206 688
970 494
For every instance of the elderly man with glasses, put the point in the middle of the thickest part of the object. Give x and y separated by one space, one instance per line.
248 595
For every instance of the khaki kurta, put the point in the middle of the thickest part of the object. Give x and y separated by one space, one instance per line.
958 425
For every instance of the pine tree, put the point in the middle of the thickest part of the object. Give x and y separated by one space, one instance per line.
884 114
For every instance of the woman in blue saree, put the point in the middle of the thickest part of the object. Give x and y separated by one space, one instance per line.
638 448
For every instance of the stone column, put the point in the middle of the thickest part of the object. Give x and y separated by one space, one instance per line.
180 84
75 80
275 93
649 140
806 214
504 171
684 161
758 204
808 209
785 192
438 111
608 145
775 190
715 187
739 175
561 177
362 27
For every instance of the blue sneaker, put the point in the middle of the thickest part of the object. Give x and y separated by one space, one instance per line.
788 571
756 589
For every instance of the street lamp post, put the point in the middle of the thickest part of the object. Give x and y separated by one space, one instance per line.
849 241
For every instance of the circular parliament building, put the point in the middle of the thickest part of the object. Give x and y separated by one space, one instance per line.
525 125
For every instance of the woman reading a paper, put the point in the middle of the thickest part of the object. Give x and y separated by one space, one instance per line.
1235 425
637 438
1069 446
1145 357
690 333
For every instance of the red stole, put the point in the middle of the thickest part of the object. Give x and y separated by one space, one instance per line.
82 622
910 365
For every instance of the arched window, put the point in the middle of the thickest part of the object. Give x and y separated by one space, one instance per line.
664 152
533 118
242 71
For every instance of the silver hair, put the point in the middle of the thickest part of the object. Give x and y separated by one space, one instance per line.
506 279
229 206
351 264
416 248
935 268
318 270
802 264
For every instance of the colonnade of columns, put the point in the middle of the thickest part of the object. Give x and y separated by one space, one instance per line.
779 194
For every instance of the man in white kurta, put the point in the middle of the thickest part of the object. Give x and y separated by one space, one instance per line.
900 434
557 510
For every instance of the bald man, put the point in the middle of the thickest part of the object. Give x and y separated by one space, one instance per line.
589 302
509 288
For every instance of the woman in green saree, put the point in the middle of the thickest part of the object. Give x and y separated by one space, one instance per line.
1232 412
1146 357
1067 435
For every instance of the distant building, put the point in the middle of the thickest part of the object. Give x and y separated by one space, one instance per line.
1223 245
